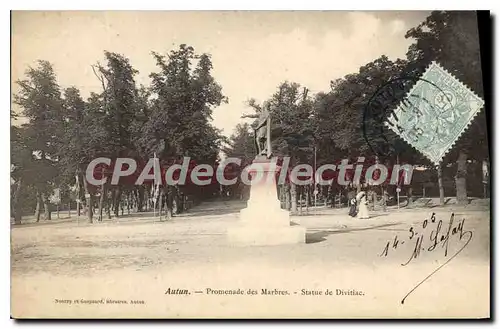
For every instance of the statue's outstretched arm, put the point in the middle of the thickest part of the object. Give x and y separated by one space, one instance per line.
261 125
251 116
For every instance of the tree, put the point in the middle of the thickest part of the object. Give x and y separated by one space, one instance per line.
21 164
181 112
342 113
40 100
120 102
183 99
84 139
241 143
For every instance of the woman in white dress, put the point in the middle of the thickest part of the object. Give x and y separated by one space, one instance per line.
363 206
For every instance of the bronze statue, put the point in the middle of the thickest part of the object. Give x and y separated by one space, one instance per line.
262 133
262 130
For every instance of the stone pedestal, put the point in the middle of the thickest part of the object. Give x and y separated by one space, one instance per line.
263 222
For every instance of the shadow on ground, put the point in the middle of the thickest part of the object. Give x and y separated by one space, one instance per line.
378 215
321 235
310 213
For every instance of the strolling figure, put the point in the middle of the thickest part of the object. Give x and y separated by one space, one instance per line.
363 206
353 210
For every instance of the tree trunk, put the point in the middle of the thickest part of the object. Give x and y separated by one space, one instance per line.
374 198
168 201
88 198
486 178
384 199
46 206
175 203
440 184
301 193
140 198
108 202
37 209
288 203
135 199
308 198
281 195
116 201
410 196
128 203
330 195
78 190
101 201
181 206
461 179
17 203
80 203
160 203
293 197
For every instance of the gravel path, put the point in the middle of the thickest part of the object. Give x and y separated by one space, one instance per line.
138 258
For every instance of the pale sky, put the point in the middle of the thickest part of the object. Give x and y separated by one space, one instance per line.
252 52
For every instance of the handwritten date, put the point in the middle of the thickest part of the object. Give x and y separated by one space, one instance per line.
431 236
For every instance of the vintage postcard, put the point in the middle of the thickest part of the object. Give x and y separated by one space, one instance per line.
250 164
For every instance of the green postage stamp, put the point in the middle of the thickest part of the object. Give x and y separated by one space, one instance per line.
435 113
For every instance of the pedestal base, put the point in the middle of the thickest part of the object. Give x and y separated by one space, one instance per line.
263 222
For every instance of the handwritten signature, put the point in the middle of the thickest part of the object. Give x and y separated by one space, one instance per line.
438 239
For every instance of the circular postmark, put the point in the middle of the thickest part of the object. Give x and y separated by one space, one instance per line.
423 117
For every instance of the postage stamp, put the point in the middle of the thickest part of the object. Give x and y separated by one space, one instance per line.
437 110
